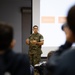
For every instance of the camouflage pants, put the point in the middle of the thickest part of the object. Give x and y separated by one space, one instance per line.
34 58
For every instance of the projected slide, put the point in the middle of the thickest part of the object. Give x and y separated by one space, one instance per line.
52 15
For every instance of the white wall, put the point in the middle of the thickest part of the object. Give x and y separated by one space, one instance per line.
36 12
10 12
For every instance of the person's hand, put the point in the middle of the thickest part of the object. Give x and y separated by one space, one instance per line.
31 42
34 41
27 41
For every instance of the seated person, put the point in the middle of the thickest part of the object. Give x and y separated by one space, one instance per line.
41 67
11 63
53 60
66 64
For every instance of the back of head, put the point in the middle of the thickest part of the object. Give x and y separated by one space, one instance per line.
6 36
71 19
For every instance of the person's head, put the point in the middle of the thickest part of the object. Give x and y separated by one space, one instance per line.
66 29
6 36
35 29
71 24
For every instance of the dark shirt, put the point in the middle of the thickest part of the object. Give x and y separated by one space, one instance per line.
55 58
66 64
14 64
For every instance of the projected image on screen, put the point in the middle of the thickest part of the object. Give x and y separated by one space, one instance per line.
49 15
52 16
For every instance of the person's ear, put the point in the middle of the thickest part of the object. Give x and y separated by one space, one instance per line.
69 35
12 43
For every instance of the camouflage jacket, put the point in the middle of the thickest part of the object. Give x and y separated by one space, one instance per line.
35 48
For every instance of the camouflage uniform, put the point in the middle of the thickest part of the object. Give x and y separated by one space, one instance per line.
35 50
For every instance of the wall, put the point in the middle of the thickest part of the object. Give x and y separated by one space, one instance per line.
26 29
36 12
10 12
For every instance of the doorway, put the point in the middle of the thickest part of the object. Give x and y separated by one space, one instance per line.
26 27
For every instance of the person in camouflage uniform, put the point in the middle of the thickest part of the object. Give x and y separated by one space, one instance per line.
35 41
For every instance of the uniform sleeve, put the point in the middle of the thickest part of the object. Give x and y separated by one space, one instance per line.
41 38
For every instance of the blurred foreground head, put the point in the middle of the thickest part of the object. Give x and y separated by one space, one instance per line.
6 36
71 24
66 29
71 19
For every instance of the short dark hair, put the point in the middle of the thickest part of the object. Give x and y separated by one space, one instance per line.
71 19
35 26
6 36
